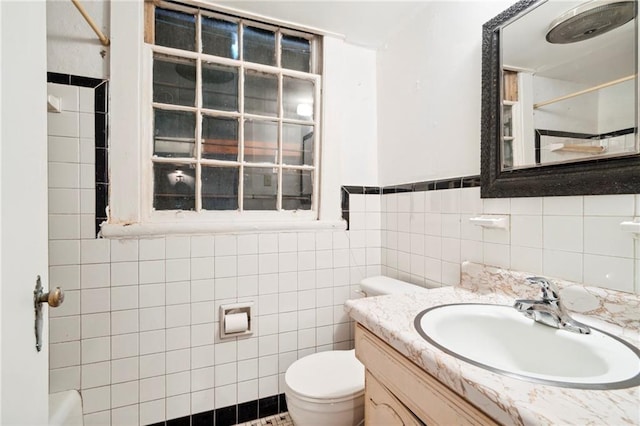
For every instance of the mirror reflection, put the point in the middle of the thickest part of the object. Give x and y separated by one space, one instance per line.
569 83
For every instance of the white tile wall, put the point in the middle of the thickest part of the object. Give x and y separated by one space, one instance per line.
138 331
574 238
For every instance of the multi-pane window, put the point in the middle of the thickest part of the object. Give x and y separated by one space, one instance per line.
235 113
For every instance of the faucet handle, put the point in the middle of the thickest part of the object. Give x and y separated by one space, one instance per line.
550 291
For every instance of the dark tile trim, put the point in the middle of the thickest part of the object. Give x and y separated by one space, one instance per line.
101 114
348 190
233 414
431 185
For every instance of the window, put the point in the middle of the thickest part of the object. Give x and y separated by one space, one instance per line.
234 113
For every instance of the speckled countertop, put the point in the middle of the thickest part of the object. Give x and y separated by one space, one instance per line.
509 400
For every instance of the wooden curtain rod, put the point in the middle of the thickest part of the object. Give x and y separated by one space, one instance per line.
582 92
103 38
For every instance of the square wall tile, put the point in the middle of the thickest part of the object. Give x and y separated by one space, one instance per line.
95 275
65 354
67 94
152 365
603 236
226 245
123 394
63 149
562 264
563 233
152 249
124 250
125 345
96 325
64 252
609 272
94 375
178 247
152 412
526 259
124 322
61 379
128 415
123 298
95 251
526 231
563 206
267 243
470 201
609 205
95 300
125 370
65 123
526 206
124 274
96 399
64 201
202 246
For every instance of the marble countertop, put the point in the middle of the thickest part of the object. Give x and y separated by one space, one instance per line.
509 400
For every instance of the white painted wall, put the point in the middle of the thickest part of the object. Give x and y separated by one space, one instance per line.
579 114
350 110
72 46
616 107
429 93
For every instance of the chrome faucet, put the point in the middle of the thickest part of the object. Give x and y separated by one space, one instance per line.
549 310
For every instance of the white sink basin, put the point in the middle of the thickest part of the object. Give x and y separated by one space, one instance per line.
503 340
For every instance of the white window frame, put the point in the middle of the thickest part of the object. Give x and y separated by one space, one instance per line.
131 180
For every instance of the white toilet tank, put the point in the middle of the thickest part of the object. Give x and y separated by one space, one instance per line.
379 285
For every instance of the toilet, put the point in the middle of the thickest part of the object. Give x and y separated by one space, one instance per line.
327 388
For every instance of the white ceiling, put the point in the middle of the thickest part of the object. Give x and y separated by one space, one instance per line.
609 56
365 23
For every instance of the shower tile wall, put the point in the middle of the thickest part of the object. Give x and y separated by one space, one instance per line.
138 332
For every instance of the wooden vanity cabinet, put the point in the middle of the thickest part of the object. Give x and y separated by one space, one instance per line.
398 392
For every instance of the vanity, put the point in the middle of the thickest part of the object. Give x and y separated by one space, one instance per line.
410 381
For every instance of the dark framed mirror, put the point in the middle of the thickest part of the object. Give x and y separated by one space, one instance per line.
560 99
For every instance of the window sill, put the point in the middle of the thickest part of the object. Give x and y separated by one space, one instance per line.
137 230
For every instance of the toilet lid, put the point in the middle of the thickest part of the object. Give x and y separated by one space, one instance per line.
331 374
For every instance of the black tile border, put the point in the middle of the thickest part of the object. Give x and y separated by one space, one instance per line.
101 123
348 190
233 414
430 185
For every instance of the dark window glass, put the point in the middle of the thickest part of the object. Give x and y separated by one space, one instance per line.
220 188
297 98
174 133
174 187
175 29
220 38
220 138
260 93
260 188
297 144
296 189
259 46
174 81
261 141
296 53
219 87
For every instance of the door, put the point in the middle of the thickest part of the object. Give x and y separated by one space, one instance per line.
23 210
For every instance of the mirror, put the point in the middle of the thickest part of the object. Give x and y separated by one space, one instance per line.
560 99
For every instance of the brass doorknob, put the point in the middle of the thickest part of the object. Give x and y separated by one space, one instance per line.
54 298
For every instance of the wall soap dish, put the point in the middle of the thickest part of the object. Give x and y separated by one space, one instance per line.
487 221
